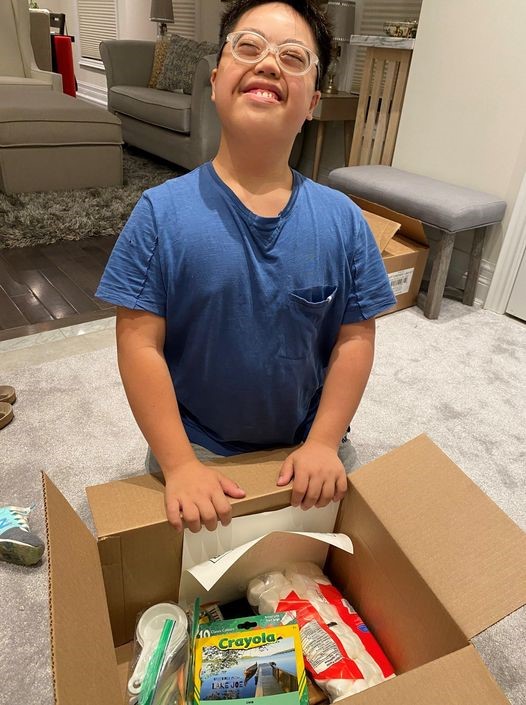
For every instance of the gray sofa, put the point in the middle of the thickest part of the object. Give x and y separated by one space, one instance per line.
184 129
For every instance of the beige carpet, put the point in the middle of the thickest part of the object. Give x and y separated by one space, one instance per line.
460 379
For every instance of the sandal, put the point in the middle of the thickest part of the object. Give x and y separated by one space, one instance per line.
7 394
6 413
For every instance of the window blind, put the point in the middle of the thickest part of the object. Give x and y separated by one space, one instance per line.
184 22
374 14
97 21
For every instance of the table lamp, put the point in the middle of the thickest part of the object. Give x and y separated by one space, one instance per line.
161 11
341 14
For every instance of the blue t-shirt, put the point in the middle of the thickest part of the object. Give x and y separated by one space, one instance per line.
253 305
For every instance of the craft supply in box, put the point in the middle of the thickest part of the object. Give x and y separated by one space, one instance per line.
339 650
209 612
256 659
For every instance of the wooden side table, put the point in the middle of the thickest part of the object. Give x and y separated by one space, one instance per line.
334 106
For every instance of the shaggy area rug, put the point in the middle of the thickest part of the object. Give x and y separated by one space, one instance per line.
42 218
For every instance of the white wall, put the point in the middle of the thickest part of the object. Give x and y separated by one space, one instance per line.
134 20
464 114
208 13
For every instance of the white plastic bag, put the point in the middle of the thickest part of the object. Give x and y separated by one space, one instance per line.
340 652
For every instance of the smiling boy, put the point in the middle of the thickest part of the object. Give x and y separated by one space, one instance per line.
246 292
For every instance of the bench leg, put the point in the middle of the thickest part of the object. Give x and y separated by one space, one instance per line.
439 272
474 266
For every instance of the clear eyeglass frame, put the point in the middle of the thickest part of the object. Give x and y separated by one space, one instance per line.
276 49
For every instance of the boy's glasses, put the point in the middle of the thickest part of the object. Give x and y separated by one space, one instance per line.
251 47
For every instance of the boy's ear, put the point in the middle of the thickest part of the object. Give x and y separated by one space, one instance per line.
313 103
212 83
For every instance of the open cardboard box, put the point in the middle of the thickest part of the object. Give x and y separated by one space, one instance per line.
404 247
435 562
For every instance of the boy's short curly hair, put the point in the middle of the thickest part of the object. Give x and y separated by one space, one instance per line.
308 9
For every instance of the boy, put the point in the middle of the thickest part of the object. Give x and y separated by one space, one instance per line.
246 292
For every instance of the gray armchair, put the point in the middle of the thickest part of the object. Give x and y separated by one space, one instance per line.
184 129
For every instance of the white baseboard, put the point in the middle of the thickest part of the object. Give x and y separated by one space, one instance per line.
458 274
92 94
487 270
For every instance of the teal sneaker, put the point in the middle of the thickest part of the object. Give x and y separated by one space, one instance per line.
17 543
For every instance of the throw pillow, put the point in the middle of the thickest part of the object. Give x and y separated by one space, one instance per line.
180 63
159 57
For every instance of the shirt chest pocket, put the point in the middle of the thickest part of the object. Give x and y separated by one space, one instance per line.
305 312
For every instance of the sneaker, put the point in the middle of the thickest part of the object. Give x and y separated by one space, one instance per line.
17 543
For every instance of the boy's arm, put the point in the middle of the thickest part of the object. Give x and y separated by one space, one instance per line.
194 493
319 475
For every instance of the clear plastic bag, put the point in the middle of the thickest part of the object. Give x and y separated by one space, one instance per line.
159 668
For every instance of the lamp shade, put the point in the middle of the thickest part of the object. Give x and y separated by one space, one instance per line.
161 11
341 13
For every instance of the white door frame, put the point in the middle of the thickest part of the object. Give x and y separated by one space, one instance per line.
510 256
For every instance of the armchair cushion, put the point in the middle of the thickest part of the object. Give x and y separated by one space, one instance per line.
159 56
40 31
168 110
180 63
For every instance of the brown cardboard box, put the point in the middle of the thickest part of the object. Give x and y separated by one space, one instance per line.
403 244
435 562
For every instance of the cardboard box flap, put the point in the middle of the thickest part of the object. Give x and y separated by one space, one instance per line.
467 550
456 679
383 229
410 227
135 502
82 652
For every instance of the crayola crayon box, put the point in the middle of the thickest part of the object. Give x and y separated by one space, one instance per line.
250 660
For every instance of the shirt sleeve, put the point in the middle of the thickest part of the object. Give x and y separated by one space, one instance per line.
370 291
133 276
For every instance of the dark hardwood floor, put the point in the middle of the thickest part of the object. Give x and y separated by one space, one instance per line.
50 286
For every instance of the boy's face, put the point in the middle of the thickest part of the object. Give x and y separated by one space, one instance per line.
241 91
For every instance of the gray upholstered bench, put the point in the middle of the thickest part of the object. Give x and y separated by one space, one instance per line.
450 209
53 142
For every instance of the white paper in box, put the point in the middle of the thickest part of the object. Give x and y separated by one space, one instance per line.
224 577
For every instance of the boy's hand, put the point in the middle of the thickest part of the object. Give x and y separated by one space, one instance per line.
197 495
319 475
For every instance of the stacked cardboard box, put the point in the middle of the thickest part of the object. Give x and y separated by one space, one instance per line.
403 244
